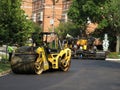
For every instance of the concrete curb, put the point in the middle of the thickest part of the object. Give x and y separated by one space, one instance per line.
114 60
5 73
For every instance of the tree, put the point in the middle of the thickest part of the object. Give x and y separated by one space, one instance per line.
67 28
14 25
104 12
113 17
80 10
36 35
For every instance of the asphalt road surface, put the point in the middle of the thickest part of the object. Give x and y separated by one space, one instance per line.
83 75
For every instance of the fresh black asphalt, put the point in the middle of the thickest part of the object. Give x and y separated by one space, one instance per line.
83 75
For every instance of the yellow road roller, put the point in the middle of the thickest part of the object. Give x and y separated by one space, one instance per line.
36 59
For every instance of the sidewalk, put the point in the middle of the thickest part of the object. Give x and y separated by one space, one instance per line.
112 59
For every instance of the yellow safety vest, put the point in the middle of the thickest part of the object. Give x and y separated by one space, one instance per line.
10 49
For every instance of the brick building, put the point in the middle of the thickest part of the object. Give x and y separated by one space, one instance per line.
46 13
27 7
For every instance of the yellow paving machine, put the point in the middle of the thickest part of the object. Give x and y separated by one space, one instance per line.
36 59
86 48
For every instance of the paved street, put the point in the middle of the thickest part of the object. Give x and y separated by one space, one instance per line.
83 75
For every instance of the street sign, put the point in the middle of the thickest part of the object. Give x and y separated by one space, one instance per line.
51 21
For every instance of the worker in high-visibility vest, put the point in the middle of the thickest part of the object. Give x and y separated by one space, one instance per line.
10 51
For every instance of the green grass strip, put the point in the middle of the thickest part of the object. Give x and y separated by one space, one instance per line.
4 66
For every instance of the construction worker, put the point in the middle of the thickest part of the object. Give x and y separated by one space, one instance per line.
10 51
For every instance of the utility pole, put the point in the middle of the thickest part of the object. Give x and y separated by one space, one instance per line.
53 14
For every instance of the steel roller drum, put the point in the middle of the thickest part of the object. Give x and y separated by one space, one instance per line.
23 60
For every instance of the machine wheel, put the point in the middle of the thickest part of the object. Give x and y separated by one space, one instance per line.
15 63
39 67
64 64
15 60
20 67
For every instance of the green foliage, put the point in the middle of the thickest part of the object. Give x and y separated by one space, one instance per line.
80 10
113 55
14 25
113 14
35 35
67 28
4 67
104 12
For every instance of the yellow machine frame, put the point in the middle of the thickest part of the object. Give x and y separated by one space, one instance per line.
45 58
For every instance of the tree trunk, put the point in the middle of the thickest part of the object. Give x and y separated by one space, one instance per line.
118 43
